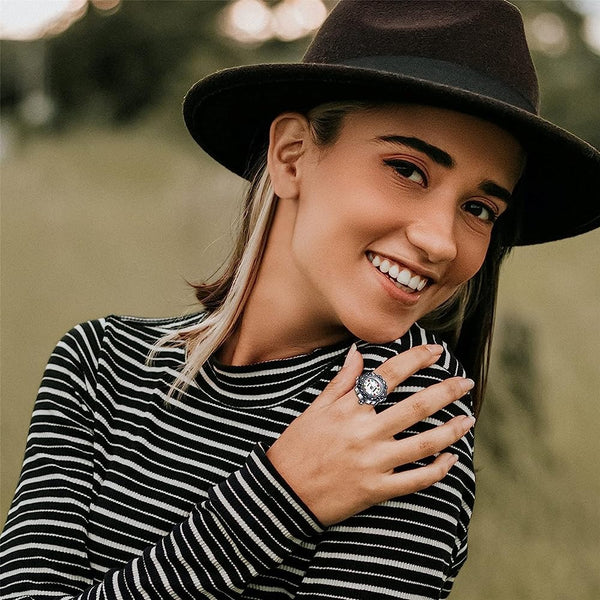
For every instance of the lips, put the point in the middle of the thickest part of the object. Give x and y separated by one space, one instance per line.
402 277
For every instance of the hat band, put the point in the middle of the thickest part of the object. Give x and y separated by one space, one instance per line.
444 73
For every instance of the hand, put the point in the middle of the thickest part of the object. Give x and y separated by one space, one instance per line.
339 456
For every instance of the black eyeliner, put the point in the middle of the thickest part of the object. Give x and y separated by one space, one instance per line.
395 162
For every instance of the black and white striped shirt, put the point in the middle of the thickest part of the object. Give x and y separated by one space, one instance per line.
126 494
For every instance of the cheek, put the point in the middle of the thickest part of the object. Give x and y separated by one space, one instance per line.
468 261
337 220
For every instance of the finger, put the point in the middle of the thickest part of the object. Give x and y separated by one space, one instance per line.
415 480
422 404
398 368
429 442
344 381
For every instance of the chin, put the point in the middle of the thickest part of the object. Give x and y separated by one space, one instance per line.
378 333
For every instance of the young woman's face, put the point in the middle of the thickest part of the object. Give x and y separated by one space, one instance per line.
397 214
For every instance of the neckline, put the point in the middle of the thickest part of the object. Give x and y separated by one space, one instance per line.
267 383
281 363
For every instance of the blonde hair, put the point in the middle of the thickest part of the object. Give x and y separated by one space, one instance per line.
226 297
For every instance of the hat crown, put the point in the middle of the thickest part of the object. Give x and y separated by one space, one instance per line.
484 36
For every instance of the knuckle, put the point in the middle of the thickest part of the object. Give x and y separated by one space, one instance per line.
423 353
455 388
424 406
419 407
425 479
333 384
438 471
426 447
417 353
338 412
386 370
370 486
338 385
457 428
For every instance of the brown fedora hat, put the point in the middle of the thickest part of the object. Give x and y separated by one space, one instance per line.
465 55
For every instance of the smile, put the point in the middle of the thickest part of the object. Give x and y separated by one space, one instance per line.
402 277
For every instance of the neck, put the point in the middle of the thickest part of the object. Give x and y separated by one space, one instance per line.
280 319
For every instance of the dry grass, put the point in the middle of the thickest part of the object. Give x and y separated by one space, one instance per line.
96 222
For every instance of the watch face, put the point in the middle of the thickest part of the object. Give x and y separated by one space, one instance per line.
372 386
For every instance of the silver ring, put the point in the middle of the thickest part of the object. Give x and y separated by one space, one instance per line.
370 388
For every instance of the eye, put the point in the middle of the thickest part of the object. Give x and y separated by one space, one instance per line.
481 211
407 170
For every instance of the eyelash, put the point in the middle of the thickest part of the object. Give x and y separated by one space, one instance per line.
493 214
404 168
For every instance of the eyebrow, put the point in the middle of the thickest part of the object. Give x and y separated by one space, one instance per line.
441 157
436 154
493 189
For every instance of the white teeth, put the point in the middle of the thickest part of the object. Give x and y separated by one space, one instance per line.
414 282
403 277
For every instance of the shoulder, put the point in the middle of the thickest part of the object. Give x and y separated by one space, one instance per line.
89 336
116 338
447 365
115 353
150 330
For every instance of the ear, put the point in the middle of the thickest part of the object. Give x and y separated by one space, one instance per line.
289 137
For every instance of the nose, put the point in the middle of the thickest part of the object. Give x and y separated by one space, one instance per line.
433 233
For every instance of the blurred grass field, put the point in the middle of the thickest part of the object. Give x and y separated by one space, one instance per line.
99 221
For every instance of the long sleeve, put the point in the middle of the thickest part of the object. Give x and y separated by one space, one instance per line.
126 493
246 524
45 536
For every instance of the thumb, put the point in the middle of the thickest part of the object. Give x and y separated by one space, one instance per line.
344 381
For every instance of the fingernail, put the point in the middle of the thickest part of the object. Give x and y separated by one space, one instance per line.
435 349
467 384
453 459
350 354
469 421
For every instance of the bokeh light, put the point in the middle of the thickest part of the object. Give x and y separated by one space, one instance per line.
26 20
548 34
247 21
254 21
591 31
293 19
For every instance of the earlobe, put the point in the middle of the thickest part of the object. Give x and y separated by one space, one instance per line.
288 139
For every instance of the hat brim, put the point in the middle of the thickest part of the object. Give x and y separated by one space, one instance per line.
229 113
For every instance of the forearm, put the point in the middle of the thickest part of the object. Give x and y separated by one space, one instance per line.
248 524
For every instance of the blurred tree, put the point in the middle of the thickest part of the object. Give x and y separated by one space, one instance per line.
568 69
513 416
118 65
112 67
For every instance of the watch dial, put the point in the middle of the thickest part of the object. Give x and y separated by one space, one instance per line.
372 386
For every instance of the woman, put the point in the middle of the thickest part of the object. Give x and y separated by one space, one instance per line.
254 451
